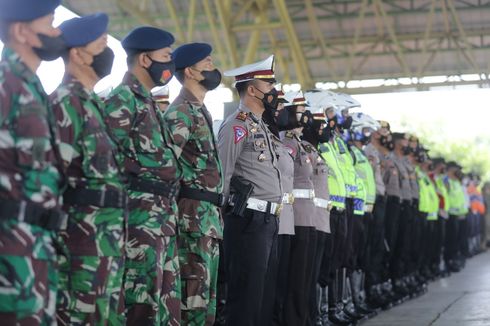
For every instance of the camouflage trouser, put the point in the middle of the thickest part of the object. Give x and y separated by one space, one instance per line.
152 282
28 275
199 258
90 291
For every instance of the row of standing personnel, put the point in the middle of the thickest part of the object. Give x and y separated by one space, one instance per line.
110 208
363 215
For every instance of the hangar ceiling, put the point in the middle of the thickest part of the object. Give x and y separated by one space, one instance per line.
366 45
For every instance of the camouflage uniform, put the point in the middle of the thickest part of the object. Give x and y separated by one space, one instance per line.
91 273
152 276
29 173
200 225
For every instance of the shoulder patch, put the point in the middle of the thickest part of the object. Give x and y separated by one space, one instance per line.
239 133
242 116
291 150
324 148
341 146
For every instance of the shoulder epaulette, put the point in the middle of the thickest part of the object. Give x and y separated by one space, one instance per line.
289 134
324 148
242 116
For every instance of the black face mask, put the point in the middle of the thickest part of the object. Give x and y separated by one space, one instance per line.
365 140
306 119
311 132
102 63
161 72
431 167
286 119
211 80
406 150
325 136
331 125
51 49
387 142
459 174
270 99
270 119
347 123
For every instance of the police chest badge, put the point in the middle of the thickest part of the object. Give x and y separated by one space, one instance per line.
242 116
239 133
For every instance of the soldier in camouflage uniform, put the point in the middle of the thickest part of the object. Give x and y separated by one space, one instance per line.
91 273
200 225
29 165
152 276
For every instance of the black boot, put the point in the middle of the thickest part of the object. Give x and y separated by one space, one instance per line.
373 297
356 281
335 314
347 298
322 318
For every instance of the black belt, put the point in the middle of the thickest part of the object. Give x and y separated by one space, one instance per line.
31 213
204 195
99 198
153 187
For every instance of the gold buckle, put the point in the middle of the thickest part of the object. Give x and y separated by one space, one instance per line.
278 210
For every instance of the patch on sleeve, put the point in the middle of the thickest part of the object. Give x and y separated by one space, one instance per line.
239 133
242 116
291 150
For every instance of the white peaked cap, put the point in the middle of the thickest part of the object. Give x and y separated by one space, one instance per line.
295 98
258 70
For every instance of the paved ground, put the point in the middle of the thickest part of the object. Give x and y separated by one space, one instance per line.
463 299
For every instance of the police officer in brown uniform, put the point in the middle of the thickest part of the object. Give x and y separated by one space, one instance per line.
252 183
303 244
276 284
376 245
313 135
391 180
401 260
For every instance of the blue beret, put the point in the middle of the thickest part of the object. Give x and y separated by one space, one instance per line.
81 31
191 53
26 10
147 38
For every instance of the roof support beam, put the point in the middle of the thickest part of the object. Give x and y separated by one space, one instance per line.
223 8
428 28
357 33
391 31
317 33
175 18
214 34
302 68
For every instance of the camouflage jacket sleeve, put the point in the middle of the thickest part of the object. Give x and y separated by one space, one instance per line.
28 150
178 127
136 128
119 114
66 111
